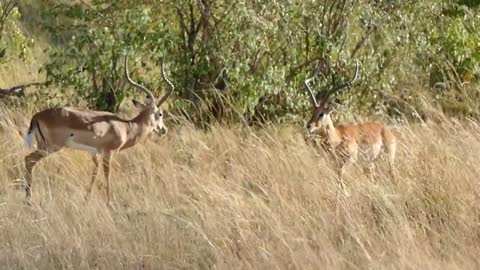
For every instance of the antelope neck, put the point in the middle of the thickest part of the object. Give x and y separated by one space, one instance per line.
137 127
332 135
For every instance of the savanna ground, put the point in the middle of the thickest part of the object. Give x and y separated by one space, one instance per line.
237 198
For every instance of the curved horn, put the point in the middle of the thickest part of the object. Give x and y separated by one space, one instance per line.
172 87
135 84
310 92
346 84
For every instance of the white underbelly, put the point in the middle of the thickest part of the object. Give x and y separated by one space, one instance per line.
71 143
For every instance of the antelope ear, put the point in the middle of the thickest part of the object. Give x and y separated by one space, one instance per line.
138 104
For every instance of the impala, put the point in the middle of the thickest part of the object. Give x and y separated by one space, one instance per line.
345 138
97 132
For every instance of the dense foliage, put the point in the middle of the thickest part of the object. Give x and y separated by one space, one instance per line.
247 59
13 41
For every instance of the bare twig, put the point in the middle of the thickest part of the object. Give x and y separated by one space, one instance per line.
18 90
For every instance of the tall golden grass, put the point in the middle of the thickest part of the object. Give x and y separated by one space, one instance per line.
234 198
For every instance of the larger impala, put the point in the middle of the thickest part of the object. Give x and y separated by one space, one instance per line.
348 136
100 133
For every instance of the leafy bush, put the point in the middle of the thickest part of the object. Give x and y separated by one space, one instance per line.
247 60
96 40
13 41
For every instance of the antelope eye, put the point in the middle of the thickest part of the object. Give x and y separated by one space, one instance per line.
320 114
158 115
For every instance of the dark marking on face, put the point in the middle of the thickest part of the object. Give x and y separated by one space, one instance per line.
136 103
320 114
158 115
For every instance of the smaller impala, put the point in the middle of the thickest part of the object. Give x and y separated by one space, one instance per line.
347 137
97 132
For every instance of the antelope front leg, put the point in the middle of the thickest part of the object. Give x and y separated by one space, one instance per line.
106 170
352 152
94 174
372 156
391 149
343 169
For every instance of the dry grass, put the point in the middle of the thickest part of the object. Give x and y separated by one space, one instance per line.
239 199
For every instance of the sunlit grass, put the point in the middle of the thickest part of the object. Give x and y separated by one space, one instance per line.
232 198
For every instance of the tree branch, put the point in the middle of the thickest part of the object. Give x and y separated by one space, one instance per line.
293 71
18 90
360 43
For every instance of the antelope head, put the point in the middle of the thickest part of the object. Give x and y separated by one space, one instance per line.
321 105
151 108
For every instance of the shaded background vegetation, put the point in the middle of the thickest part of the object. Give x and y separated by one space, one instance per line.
246 60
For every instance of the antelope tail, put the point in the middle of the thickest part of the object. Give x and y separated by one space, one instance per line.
30 136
